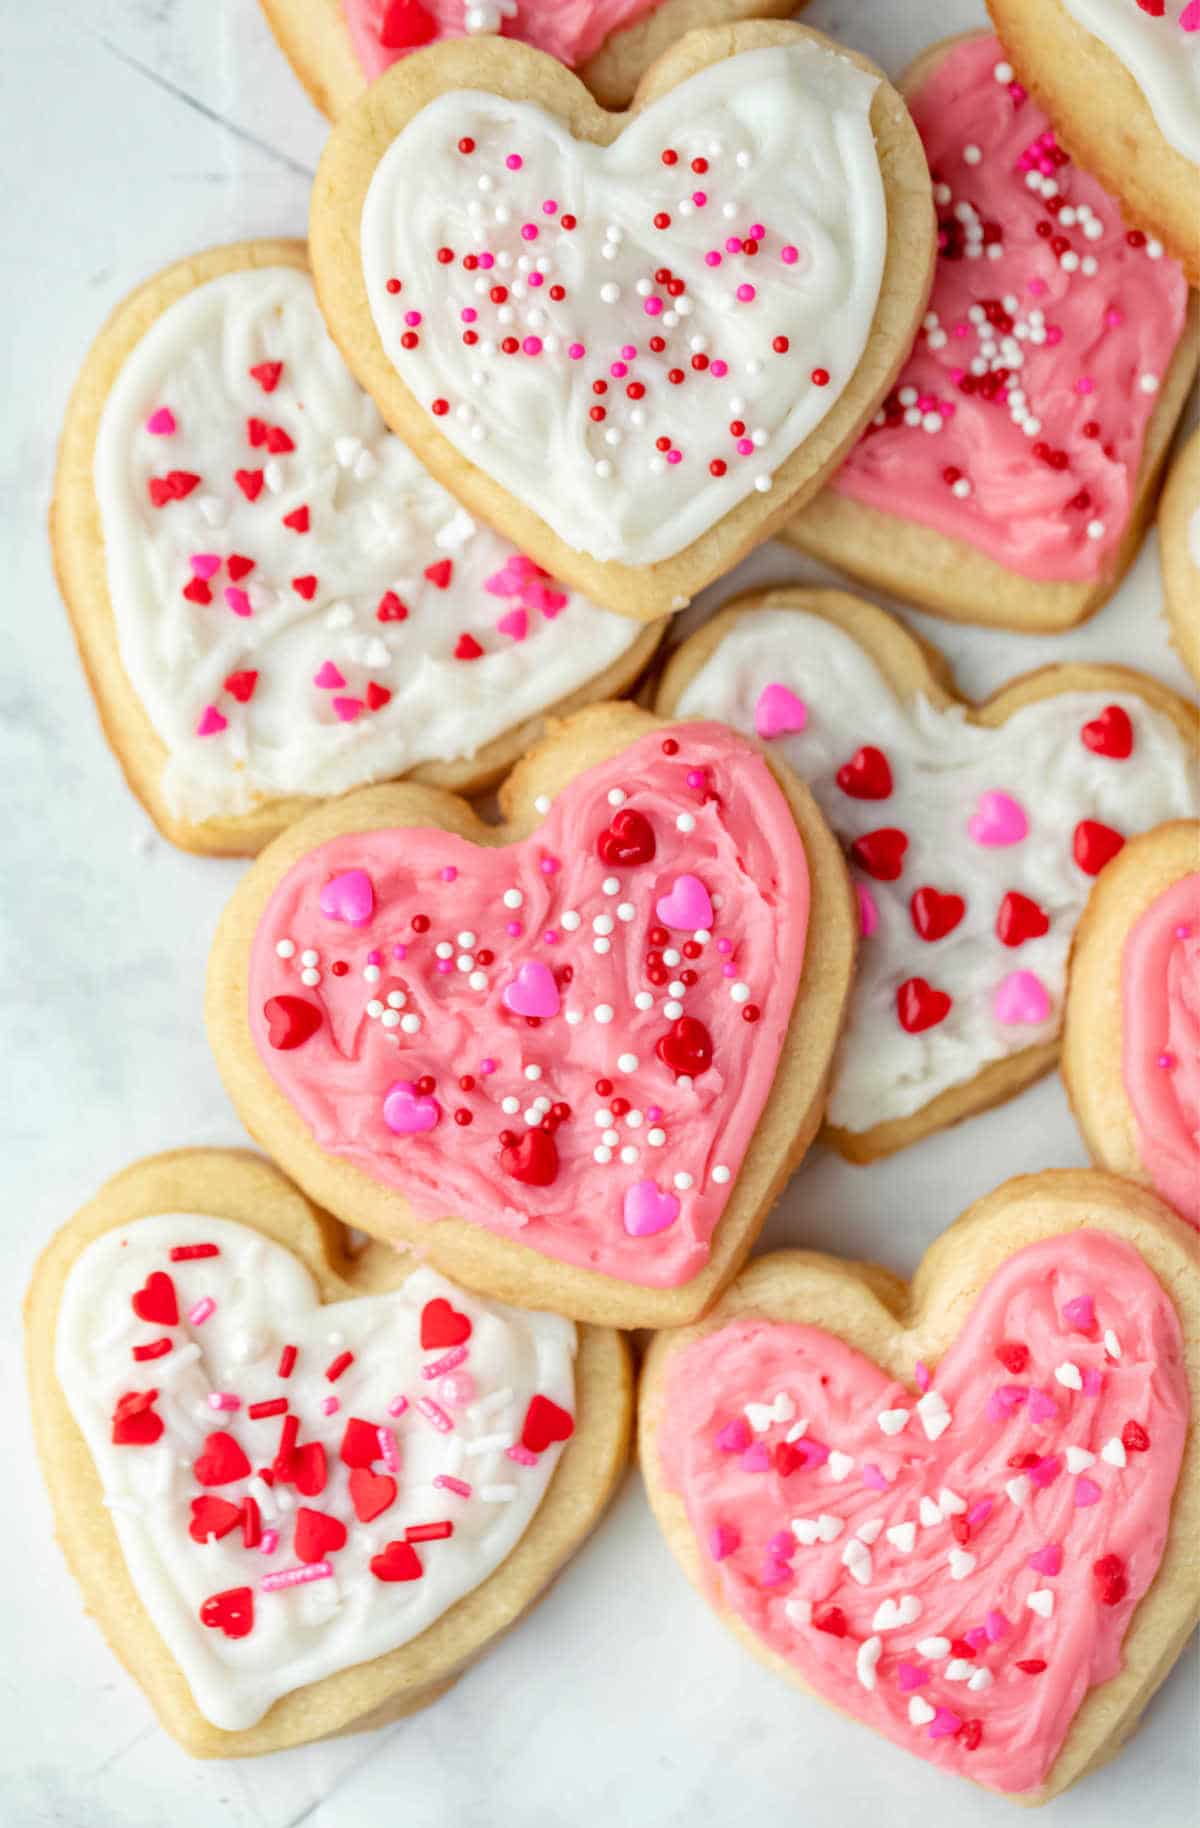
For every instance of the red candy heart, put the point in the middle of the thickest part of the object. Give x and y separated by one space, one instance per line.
250 482
213 1517
934 914
545 1423
920 1006
241 685
866 776
686 1047
231 1612
467 648
135 1421
405 25
627 840
1019 919
881 853
533 1160
440 574
317 1535
291 1021
308 1469
1094 845
443 1325
267 375
1110 734
360 1443
221 1462
399 1561
155 1301
371 1493
391 609
238 566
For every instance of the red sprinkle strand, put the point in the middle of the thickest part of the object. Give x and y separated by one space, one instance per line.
341 1363
190 1253
428 1532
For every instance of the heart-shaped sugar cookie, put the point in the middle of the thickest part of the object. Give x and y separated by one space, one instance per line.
1121 79
974 834
965 1516
337 47
631 341
273 600
1179 549
534 1031
293 1505
1131 1032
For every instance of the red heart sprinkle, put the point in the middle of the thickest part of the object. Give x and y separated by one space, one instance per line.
135 1422
371 1494
391 609
545 1422
787 1458
221 1462
443 1325
238 566
308 1469
1019 919
832 1620
628 840
686 1048
197 591
467 648
1134 1438
440 573
377 696
1109 1575
231 1612
256 431
291 1021
305 587
866 776
971 1734
297 520
1094 845
278 441
919 1006
881 853
155 1300
399 1561
1110 734
213 1517
360 1443
267 375
533 1160
250 482
241 685
934 914
1013 1356
317 1534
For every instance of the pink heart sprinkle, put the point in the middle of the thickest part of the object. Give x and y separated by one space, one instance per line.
550 602
782 1546
756 1458
515 623
237 600
1042 1408
1000 820
723 1541
734 1437
910 1676
686 905
997 1626
327 676
533 992
945 1724
211 722
1046 1471
868 913
1080 1312
812 1453
872 1476
979 1513
349 897
647 1210
779 712
347 708
1047 1560
977 1637
204 564
1189 18
406 1113
773 1573
161 424
1021 997
1086 1492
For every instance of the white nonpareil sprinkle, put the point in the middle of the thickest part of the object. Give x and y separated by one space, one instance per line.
285 947
720 1174
603 1013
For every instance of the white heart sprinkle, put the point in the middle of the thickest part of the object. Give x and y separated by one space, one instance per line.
798 1611
865 1661
1114 1451
950 1504
891 1421
890 1613
797 1429
903 1536
958 1669
1070 1375
919 1711
856 1557
934 1414
869 1531
1079 1459
1112 1344
1018 1489
1041 1601
839 1465
980 1680
934 1647
829 1528
929 1513
961 1563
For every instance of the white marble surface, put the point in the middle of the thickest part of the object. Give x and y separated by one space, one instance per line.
156 127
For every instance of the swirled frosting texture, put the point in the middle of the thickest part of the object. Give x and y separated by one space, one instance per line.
1019 420
930 1565
1160 996
610 995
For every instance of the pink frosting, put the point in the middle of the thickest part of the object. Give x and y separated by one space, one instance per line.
1072 1345
567 29
647 1143
1049 499
1160 994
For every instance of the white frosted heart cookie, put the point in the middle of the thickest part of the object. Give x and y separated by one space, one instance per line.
632 342
1010 474
963 1512
338 47
301 1491
1179 550
272 598
974 833
1121 79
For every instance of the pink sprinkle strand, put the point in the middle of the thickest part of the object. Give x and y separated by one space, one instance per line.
296 1577
398 1405
459 1487
203 1309
389 1447
223 1399
434 1413
521 1455
447 1362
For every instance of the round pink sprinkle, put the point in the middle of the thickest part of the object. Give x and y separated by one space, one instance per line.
653 1112
1037 288
1184 930
514 929
537 279
628 351
674 456
444 965
652 307
1113 317
746 293
618 371
532 345
696 777
412 317
724 945
757 231
1166 1061
550 937
399 952
744 447
549 207
469 314
575 351
712 258
789 255
699 198
457 1390
1054 335
449 874
733 245
529 231
487 261
487 1066
374 957
330 1405
719 369
514 161
728 970
549 866
1085 385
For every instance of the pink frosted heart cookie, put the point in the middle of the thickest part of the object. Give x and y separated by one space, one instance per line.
300 1492
633 342
962 1515
338 47
273 600
1131 1038
597 1035
1010 473
974 833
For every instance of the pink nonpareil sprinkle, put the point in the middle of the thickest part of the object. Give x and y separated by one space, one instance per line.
198 1314
447 1362
434 1414
446 1483
296 1577
223 1399
389 1448
521 1455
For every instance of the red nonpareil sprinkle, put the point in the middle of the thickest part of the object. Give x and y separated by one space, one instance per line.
341 1363
297 520
820 377
287 1361
670 156
429 1532
275 1405
250 482
440 408
156 1349
267 375
466 145
192 1253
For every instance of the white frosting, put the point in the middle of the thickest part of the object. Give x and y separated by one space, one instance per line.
265 1299
1162 58
787 138
377 522
940 765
